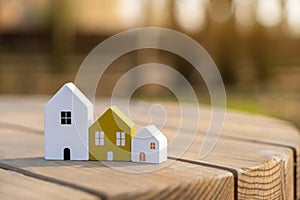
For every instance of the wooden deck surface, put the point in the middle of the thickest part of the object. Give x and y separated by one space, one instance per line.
255 158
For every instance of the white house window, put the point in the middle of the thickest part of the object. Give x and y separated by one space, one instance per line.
99 138
120 138
152 145
65 117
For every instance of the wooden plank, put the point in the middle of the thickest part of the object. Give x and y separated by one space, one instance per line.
18 186
241 127
250 182
258 166
263 171
25 151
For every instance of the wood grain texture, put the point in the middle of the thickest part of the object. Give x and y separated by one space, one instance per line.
242 153
18 186
254 164
241 127
176 180
257 150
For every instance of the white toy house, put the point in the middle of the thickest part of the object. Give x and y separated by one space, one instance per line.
149 145
68 116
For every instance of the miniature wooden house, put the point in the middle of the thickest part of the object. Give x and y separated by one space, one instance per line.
149 145
68 115
110 136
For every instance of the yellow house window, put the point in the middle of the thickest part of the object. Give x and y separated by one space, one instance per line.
99 138
120 138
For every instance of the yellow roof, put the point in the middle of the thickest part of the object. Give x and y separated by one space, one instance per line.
115 117
118 112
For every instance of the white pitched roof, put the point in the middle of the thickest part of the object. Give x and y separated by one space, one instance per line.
74 90
77 92
150 132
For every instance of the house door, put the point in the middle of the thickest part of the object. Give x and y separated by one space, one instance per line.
67 154
142 156
110 155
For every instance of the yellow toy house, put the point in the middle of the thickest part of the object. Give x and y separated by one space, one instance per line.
110 136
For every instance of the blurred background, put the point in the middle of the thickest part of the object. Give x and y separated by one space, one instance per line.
255 44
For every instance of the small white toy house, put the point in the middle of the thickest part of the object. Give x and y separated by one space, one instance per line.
68 116
149 145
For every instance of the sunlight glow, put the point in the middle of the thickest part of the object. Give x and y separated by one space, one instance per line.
159 8
11 14
190 14
132 12
293 16
244 12
269 12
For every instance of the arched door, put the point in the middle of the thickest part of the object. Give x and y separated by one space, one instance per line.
110 155
67 154
142 156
